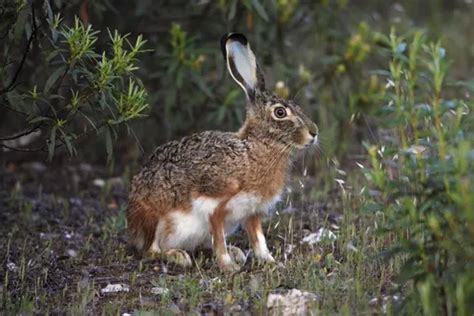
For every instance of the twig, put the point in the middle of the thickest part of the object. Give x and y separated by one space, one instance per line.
9 108
24 149
27 50
21 134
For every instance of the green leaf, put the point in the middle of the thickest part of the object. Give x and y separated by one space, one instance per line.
52 143
67 140
21 23
39 119
16 100
88 119
52 55
231 97
260 10
202 85
53 78
232 10
373 207
108 144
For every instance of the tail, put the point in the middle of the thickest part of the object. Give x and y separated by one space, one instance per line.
142 220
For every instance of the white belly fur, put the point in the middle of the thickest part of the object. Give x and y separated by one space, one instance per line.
192 229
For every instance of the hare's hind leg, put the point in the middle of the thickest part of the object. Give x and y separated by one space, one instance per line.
177 257
253 225
142 219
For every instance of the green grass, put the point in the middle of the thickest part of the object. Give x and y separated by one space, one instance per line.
67 247
63 239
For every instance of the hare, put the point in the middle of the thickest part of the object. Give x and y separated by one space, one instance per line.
193 191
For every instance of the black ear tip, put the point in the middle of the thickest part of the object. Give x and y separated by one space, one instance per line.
239 37
236 37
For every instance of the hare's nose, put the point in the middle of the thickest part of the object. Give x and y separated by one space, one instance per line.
313 130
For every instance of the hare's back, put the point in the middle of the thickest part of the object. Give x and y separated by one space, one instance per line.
204 149
204 159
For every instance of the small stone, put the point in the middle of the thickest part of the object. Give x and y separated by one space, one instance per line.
114 288
294 302
11 266
350 247
35 166
85 167
323 234
71 253
115 182
99 183
235 309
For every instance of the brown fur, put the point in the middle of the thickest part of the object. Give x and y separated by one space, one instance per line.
219 165
217 229
253 226
142 220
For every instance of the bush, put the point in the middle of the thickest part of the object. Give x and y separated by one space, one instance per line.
422 177
74 89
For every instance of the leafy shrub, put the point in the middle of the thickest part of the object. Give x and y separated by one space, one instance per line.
74 88
422 177
189 89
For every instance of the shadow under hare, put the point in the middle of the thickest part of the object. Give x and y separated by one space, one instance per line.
193 191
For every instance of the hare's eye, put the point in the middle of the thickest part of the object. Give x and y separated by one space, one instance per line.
280 112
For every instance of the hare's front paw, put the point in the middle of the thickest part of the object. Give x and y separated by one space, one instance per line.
266 258
237 254
179 257
227 265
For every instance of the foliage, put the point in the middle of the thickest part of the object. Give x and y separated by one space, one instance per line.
77 90
64 79
189 89
422 177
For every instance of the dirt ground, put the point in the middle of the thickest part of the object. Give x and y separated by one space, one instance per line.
63 241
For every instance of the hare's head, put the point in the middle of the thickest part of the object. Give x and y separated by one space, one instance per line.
268 116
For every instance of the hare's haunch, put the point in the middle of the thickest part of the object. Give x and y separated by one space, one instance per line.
194 190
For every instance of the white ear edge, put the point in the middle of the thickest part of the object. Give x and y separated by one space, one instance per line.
245 64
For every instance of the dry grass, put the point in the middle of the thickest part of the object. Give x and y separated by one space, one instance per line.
63 240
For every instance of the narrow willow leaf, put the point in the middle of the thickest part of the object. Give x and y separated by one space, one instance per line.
108 144
260 10
52 143
53 78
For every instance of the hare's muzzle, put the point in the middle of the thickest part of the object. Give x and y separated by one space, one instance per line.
313 134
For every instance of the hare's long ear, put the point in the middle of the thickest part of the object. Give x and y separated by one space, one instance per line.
241 63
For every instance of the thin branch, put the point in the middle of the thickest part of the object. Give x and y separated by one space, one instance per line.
9 108
21 134
58 145
9 87
23 149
